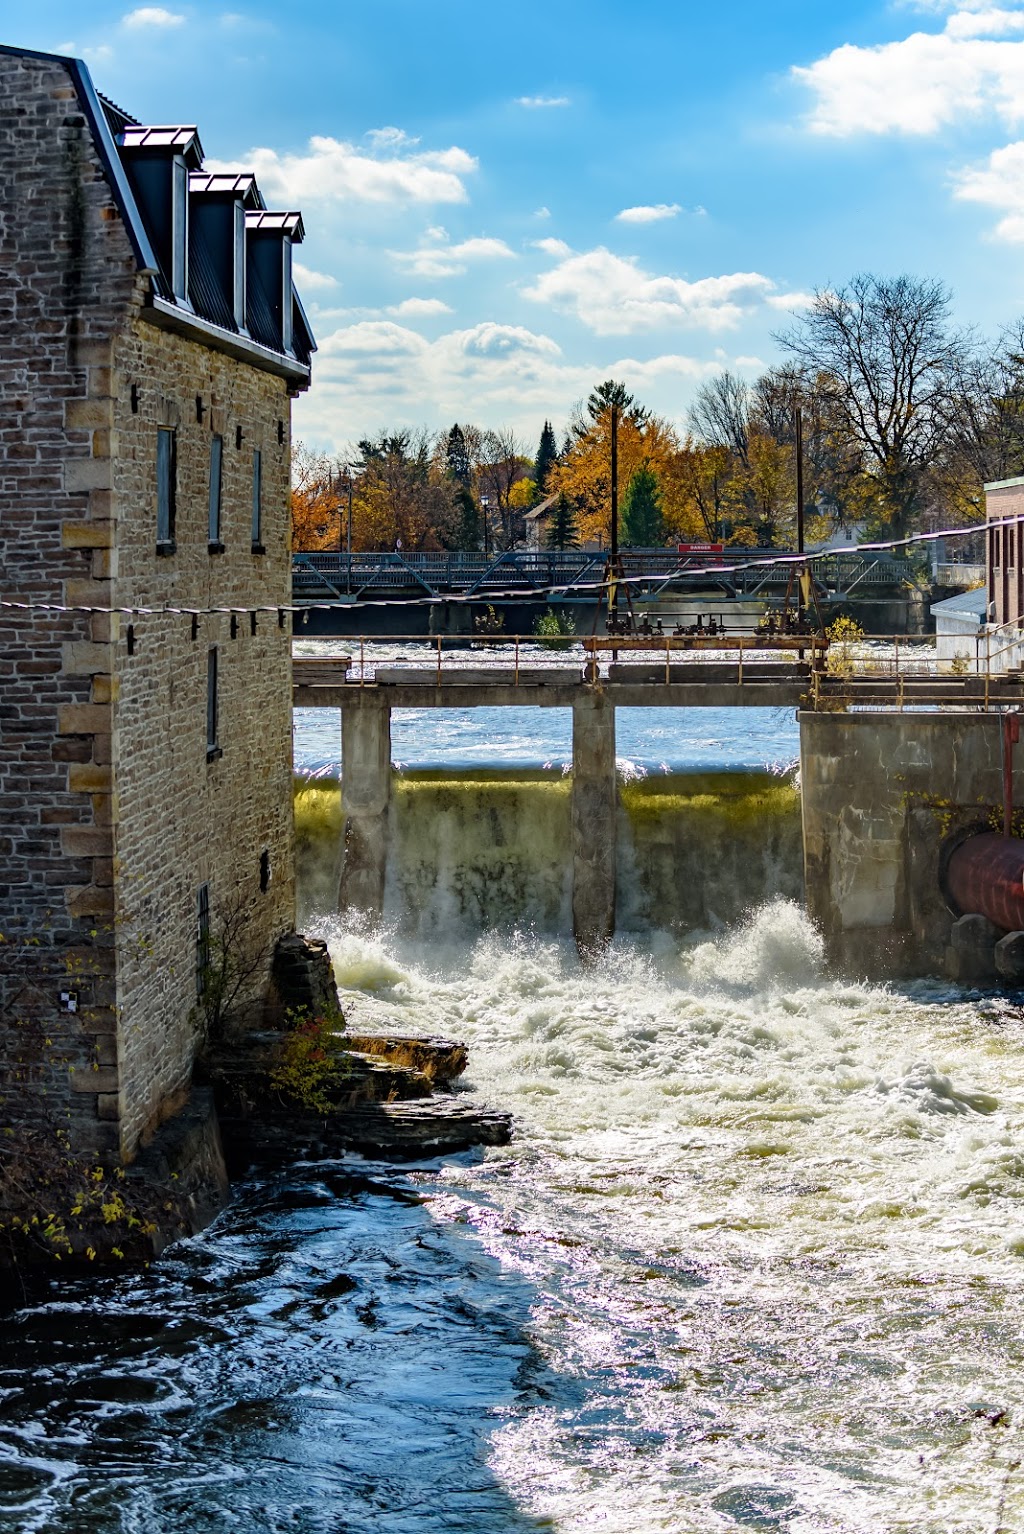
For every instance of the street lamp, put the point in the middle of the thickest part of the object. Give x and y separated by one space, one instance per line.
485 502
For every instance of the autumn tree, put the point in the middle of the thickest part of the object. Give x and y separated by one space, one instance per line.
584 470
316 501
400 496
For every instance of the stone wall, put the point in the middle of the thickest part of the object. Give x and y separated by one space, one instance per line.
881 792
68 274
111 815
185 820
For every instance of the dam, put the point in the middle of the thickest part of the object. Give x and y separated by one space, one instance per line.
880 746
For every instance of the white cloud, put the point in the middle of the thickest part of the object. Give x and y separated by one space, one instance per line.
307 278
379 338
553 247
486 372
923 82
439 259
535 103
390 138
789 301
998 183
612 295
152 16
542 212
411 307
648 213
332 169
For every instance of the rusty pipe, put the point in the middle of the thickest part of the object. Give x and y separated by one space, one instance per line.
984 876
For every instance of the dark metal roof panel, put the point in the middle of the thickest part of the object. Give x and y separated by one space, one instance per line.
204 286
285 223
205 183
182 139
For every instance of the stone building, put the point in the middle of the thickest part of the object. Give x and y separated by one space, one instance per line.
151 342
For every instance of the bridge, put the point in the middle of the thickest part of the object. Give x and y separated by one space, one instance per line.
576 574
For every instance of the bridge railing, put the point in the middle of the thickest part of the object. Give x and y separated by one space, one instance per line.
742 571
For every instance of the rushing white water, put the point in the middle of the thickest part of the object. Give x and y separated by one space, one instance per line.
773 1226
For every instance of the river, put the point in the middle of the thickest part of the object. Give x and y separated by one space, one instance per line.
753 1261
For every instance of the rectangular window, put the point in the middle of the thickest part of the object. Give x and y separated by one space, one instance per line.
166 488
216 462
257 503
202 940
212 746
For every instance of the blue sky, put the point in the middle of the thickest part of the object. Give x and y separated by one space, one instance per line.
507 204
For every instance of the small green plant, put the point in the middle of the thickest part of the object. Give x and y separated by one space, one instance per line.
489 621
960 665
843 634
312 1063
552 626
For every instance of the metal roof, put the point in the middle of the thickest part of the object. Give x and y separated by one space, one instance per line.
182 138
286 223
227 184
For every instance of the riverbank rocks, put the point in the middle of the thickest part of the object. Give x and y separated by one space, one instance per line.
388 1098
439 1060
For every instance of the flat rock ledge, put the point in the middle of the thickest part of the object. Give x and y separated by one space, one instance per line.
394 1102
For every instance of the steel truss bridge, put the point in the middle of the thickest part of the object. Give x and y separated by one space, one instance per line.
575 575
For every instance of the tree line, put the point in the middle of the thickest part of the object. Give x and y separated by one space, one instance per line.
904 419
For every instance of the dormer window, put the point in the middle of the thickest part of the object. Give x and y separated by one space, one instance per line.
218 280
271 297
158 161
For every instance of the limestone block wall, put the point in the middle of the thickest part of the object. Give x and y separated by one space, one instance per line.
183 819
67 275
880 794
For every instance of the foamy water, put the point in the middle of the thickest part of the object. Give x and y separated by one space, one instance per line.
773 1226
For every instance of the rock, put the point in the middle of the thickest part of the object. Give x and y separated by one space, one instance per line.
303 977
410 1130
439 1060
1009 958
971 954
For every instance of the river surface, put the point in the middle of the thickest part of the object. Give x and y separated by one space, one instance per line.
754 1261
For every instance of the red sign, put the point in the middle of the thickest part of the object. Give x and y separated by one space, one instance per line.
700 548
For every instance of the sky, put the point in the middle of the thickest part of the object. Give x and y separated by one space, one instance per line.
505 205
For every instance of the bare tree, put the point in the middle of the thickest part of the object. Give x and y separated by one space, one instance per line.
500 461
882 350
720 414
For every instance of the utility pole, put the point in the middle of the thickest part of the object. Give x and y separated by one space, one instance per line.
613 595
798 423
346 484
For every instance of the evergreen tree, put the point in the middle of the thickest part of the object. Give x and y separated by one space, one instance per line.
547 455
459 466
641 519
468 529
562 530
611 392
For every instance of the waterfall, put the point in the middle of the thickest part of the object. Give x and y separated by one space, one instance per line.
472 850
